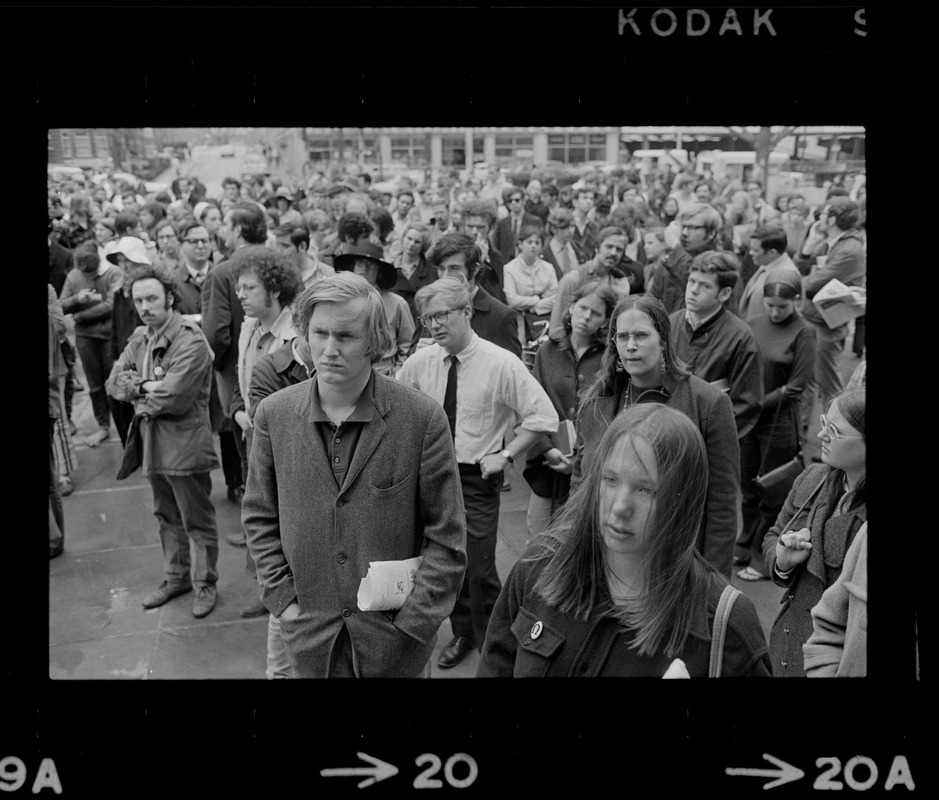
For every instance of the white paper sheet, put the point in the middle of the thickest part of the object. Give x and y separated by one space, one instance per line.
387 584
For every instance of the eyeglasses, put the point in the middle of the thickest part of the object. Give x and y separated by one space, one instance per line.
641 337
833 433
197 242
440 317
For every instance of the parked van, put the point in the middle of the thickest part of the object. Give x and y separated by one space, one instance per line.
731 164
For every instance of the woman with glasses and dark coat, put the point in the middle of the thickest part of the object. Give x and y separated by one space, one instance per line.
640 366
805 549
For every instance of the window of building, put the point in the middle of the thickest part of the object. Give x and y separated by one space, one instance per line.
413 150
67 151
508 147
576 148
453 151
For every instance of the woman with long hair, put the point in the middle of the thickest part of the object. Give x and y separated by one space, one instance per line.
640 366
565 366
787 350
805 549
615 586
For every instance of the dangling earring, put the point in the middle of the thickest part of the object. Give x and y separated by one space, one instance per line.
662 368
619 366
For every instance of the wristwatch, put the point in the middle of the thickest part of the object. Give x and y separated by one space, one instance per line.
507 455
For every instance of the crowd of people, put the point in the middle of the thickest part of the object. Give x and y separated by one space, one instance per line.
365 364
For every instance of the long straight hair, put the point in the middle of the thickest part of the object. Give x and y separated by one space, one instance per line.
675 576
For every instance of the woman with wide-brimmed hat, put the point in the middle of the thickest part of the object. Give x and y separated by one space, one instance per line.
365 259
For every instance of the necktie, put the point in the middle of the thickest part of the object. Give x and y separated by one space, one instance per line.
449 396
515 233
565 260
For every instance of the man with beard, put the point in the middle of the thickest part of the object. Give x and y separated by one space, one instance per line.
295 241
602 267
166 371
700 227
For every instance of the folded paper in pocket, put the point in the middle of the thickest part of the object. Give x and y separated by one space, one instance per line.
387 584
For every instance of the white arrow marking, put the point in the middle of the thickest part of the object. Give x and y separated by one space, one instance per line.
784 774
378 772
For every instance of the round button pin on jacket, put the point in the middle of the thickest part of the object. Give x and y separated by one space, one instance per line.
536 629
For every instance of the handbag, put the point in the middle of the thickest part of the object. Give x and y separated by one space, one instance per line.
719 629
774 486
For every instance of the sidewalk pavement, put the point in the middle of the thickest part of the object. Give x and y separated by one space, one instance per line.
112 559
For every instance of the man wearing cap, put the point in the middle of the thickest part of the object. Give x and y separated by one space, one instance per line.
166 371
602 267
129 256
505 233
295 240
288 214
88 294
346 469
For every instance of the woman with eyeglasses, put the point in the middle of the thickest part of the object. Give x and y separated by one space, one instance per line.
787 348
167 241
640 366
615 586
805 549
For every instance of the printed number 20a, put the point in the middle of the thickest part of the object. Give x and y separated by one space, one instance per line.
899 773
425 781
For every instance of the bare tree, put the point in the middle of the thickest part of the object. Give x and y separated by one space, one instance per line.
763 142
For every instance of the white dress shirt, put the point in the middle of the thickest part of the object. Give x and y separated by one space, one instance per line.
493 385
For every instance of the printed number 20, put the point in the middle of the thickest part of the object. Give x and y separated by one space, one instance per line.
425 781
826 779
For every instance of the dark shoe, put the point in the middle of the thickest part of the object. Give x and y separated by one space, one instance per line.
57 548
257 609
455 652
164 593
506 486
235 493
236 539
206 597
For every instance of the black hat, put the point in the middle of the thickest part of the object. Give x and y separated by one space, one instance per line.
387 274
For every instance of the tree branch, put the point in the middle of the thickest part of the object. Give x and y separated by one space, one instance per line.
749 138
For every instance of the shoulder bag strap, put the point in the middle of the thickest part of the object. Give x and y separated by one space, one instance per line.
719 629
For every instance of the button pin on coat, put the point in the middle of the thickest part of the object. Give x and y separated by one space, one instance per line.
536 629
158 372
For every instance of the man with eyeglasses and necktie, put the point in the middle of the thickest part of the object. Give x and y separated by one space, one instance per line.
482 387
700 227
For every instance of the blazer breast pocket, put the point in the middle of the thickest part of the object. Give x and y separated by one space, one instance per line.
384 492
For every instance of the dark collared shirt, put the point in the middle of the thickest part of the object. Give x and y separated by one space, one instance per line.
340 440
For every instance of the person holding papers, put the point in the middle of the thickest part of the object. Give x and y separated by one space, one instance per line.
566 366
348 468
